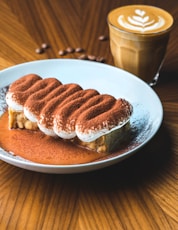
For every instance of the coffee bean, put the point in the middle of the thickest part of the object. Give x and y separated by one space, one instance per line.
79 50
70 50
100 59
83 57
39 50
44 46
91 57
62 52
102 38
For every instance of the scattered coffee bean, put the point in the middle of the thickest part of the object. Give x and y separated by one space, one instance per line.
70 50
79 50
102 38
39 50
83 57
44 46
100 59
91 57
62 52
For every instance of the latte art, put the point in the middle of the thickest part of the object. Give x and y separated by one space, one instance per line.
141 21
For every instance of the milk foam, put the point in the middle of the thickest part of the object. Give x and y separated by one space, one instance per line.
141 21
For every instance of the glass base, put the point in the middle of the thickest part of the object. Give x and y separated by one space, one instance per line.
155 80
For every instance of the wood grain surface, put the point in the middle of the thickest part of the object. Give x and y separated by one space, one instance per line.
138 193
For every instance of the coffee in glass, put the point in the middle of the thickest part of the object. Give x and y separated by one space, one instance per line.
139 36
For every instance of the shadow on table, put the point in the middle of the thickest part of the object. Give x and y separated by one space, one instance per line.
143 167
168 76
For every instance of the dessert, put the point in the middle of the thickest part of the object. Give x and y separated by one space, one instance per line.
83 116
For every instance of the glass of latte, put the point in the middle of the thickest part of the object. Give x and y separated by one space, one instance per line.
139 36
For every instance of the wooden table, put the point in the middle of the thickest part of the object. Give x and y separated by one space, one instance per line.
138 193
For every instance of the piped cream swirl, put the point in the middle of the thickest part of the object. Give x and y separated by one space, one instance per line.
67 110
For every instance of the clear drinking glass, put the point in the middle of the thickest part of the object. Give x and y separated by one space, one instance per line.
139 36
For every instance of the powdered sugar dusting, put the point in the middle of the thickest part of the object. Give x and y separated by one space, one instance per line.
3 105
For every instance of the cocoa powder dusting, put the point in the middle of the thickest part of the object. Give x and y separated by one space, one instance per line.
37 147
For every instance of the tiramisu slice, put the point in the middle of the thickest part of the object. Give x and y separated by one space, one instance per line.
85 117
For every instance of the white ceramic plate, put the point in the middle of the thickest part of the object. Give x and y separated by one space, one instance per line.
145 122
